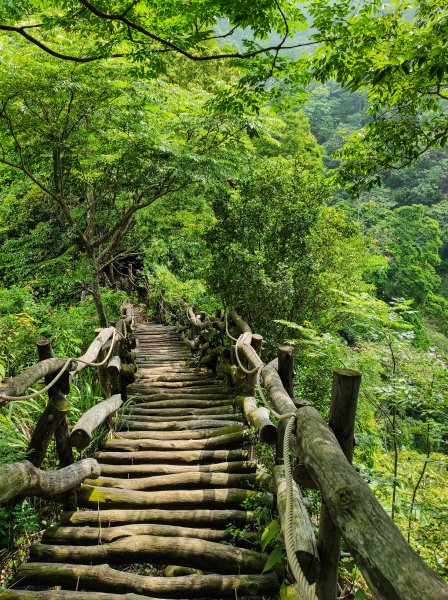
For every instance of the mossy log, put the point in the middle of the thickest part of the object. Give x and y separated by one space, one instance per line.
392 569
189 552
176 480
81 434
179 435
105 535
237 376
145 470
104 578
179 456
145 424
18 385
305 545
107 517
215 498
24 479
281 400
258 417
230 439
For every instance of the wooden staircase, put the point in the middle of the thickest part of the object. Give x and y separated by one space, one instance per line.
173 478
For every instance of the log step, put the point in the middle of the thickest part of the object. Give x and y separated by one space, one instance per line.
172 481
104 578
145 470
104 535
183 480
217 518
184 551
91 495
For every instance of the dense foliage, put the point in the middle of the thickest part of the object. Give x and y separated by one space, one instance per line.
163 145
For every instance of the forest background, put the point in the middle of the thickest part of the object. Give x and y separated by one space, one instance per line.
318 207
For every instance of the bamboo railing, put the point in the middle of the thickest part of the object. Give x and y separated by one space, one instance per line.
323 455
110 352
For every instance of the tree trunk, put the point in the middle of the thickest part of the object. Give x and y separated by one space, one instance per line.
96 293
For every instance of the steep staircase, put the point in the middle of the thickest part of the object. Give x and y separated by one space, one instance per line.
173 478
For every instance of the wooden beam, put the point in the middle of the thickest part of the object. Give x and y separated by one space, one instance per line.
81 435
24 479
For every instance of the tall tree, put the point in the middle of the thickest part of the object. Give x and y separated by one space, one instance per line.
101 146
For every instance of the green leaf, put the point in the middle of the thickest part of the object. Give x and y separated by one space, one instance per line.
269 533
274 557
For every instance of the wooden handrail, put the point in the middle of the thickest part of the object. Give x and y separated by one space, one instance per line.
24 477
391 568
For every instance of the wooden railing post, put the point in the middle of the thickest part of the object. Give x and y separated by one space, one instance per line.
285 356
53 414
344 398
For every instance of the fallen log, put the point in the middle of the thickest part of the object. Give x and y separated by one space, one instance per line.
258 417
104 578
106 518
24 479
230 497
189 552
81 434
305 545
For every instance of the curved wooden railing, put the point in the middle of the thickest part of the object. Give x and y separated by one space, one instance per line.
111 353
322 455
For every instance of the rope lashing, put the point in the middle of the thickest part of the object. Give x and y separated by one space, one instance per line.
61 372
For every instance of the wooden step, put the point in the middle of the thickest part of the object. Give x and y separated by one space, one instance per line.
220 441
100 535
178 480
145 470
186 434
104 578
184 551
137 423
203 517
180 498
167 457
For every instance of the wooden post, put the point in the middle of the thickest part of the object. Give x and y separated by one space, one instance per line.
56 395
52 416
344 398
256 343
285 356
